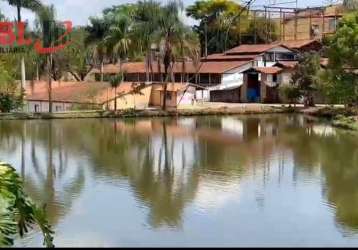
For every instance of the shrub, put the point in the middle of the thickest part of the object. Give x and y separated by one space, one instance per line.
18 213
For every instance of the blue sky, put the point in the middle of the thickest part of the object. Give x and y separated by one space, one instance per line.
78 11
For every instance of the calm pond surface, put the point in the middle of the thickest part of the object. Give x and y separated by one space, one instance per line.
269 180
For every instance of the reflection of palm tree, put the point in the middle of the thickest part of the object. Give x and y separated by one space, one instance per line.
23 152
40 185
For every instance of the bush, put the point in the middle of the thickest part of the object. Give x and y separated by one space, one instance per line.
17 212
10 95
9 102
289 93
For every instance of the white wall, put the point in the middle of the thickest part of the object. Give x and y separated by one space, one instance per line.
280 49
187 98
285 78
202 95
44 106
234 77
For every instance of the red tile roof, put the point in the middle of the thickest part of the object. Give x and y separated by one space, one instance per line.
220 67
223 57
140 67
212 67
252 48
268 70
80 92
298 44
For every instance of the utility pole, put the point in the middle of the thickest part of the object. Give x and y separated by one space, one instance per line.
206 37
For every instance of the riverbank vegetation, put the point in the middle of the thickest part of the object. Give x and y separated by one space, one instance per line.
18 214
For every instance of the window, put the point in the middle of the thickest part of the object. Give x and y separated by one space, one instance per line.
315 32
274 77
285 56
37 108
332 24
269 57
58 108
169 96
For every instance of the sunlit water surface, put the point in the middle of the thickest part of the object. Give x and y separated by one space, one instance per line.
269 180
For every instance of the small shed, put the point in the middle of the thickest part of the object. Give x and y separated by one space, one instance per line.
177 94
261 85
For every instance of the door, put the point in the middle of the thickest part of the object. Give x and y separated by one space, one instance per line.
253 87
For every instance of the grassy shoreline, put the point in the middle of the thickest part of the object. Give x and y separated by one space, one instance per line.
141 113
339 117
346 118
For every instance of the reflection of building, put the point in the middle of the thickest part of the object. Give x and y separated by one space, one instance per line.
232 126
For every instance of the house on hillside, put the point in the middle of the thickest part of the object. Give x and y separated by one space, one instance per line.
251 56
304 45
311 23
261 83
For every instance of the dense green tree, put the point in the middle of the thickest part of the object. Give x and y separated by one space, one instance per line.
260 30
145 28
77 56
216 17
33 5
98 30
340 80
306 76
118 37
350 4
10 94
289 93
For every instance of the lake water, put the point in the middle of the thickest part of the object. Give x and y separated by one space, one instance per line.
268 180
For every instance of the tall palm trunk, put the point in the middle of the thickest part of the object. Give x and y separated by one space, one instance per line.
49 71
166 61
102 80
23 69
165 87
37 72
102 74
147 67
115 98
159 69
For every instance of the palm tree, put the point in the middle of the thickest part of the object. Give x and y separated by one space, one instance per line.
118 39
97 33
145 26
47 25
175 37
115 81
33 5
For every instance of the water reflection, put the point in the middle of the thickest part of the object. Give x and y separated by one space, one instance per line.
179 170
